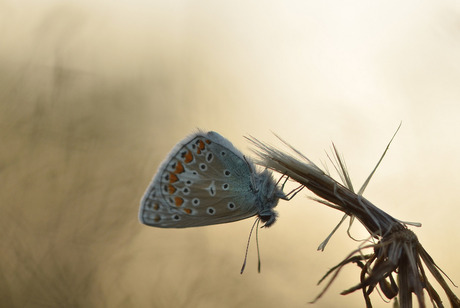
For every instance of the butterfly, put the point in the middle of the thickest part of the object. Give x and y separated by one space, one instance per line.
204 181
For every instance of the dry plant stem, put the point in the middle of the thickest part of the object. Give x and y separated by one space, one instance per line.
375 220
397 250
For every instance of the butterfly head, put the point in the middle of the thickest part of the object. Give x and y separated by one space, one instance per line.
268 195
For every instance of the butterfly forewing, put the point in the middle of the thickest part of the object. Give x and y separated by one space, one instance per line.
203 181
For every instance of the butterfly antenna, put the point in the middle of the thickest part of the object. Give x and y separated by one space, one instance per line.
247 246
257 244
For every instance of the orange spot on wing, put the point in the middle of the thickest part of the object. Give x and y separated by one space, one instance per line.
188 211
208 141
178 201
173 178
171 189
156 207
200 144
198 151
188 157
179 168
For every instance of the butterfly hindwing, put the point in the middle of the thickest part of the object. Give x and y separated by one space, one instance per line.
205 180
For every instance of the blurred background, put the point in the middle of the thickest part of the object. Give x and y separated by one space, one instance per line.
94 94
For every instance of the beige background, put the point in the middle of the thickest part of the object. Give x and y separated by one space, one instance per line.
94 94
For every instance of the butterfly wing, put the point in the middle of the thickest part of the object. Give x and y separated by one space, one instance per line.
205 180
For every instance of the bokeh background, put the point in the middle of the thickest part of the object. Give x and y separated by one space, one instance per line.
94 94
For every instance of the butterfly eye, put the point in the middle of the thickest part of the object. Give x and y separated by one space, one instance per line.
265 218
269 219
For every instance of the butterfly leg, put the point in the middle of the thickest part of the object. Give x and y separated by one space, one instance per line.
293 192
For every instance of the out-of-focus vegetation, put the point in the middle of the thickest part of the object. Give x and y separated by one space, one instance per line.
94 95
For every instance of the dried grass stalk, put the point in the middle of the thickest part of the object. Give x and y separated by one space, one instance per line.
396 249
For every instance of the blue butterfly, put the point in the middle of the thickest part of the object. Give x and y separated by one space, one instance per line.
204 181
